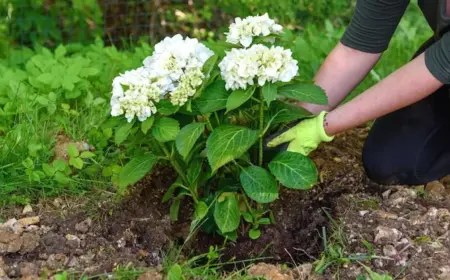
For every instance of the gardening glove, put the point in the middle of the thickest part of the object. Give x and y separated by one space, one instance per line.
304 137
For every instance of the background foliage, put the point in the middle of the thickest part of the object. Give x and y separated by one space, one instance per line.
58 57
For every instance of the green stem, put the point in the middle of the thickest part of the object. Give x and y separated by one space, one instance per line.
261 126
174 162
217 118
208 124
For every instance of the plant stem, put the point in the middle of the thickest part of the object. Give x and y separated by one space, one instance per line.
217 118
261 126
208 124
174 162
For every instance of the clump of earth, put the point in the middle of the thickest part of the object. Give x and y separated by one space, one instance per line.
404 229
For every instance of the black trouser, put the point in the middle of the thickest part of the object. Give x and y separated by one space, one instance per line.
411 146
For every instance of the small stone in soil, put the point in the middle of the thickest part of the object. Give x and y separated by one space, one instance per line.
389 251
27 209
7 236
29 221
435 190
30 241
385 234
73 241
84 226
56 261
28 269
151 275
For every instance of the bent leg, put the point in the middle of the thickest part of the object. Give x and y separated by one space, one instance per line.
412 145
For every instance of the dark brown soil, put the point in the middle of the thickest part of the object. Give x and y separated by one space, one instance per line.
138 230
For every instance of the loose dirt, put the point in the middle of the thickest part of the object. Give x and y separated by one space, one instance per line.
404 228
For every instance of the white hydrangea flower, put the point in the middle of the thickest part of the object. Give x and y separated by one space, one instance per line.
243 30
241 67
172 57
187 86
134 95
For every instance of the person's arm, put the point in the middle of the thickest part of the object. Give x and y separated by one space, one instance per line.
364 40
409 84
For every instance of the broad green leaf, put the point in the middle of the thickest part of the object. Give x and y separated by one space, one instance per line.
50 171
214 98
147 124
60 51
61 178
175 209
87 155
281 112
228 142
259 184
72 150
166 108
304 92
247 217
194 170
239 97
207 68
269 91
175 273
28 163
45 78
122 133
136 169
201 209
187 137
165 129
59 165
254 233
264 221
294 170
227 214
231 235
76 162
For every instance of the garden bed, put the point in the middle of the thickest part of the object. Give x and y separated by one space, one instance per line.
407 228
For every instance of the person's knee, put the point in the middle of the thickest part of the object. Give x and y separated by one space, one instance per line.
380 167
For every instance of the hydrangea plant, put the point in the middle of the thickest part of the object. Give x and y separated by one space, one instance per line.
206 109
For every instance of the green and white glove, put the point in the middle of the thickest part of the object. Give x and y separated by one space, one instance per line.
305 137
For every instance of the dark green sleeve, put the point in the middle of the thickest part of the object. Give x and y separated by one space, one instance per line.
373 24
437 59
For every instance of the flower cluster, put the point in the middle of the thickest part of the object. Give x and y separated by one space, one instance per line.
243 30
241 67
173 71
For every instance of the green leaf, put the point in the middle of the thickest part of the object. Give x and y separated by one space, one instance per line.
136 169
254 233
175 209
166 108
122 133
231 235
194 170
280 112
87 155
213 99
264 221
187 137
76 162
59 165
72 150
60 51
259 184
61 178
50 171
269 91
228 142
294 170
147 124
207 68
247 217
239 97
227 214
45 78
165 129
175 273
28 163
201 209
304 92
168 195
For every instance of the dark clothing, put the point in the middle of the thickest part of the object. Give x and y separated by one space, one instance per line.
411 146
374 22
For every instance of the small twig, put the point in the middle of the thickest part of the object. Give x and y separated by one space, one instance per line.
296 266
306 253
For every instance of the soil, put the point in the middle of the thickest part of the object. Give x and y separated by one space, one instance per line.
401 226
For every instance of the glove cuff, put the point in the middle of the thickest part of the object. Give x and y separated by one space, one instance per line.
321 129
